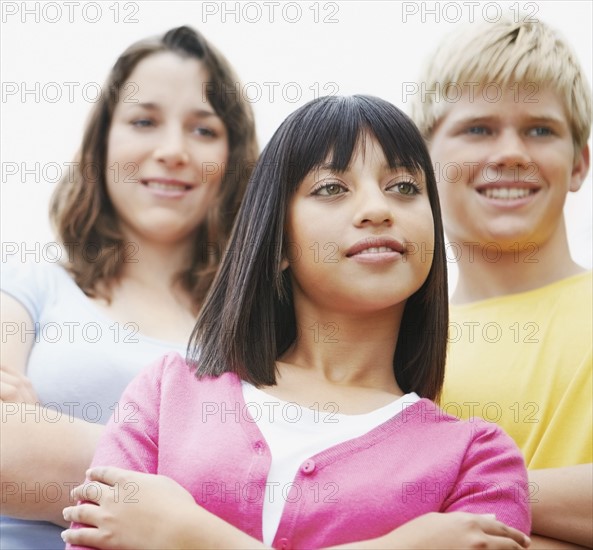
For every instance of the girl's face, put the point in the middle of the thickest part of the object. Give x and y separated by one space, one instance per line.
359 240
166 150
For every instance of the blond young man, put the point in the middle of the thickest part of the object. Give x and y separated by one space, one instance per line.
507 123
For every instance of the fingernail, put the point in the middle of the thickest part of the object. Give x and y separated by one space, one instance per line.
64 535
66 513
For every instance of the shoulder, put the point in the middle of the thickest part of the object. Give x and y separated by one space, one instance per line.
579 287
490 449
33 283
576 288
472 432
492 436
573 289
17 274
174 375
32 268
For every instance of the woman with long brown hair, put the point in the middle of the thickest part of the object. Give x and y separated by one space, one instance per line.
143 219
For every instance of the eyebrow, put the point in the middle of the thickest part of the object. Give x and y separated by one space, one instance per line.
331 167
493 118
474 120
150 106
545 118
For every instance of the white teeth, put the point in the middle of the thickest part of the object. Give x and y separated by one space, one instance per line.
375 250
506 193
166 186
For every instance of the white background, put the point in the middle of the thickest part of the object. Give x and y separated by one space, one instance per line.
307 48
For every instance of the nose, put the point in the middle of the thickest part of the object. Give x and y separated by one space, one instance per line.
172 149
372 207
510 150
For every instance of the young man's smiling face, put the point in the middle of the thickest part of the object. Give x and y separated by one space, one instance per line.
504 167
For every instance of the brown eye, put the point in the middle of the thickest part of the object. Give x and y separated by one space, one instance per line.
333 189
330 190
406 188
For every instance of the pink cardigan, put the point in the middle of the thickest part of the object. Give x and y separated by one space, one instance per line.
201 434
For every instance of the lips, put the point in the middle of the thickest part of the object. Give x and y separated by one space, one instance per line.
509 192
167 184
505 193
375 245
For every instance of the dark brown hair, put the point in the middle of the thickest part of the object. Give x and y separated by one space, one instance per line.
248 318
81 210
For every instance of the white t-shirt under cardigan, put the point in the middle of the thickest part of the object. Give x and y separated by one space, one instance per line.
294 433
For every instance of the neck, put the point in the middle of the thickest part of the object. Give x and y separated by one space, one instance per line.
522 267
154 265
346 349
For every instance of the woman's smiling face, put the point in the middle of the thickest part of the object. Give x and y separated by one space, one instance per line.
167 150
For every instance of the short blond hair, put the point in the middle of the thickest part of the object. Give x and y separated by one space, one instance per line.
504 53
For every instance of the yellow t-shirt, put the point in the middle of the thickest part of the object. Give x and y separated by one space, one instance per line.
525 361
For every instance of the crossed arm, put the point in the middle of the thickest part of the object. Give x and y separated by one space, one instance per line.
166 516
162 515
40 455
563 507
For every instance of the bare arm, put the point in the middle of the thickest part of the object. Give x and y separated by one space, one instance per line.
42 455
563 507
42 461
545 543
15 348
449 530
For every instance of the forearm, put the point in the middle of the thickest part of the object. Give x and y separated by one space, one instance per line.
41 460
562 506
545 543
446 530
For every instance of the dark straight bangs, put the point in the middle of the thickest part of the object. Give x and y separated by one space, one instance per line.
247 320
331 129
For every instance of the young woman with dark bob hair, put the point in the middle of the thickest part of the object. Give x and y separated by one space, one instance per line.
304 417
143 217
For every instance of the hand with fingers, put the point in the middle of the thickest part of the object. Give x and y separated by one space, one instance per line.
15 387
457 530
123 509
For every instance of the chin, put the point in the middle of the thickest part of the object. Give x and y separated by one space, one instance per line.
509 238
168 236
369 303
